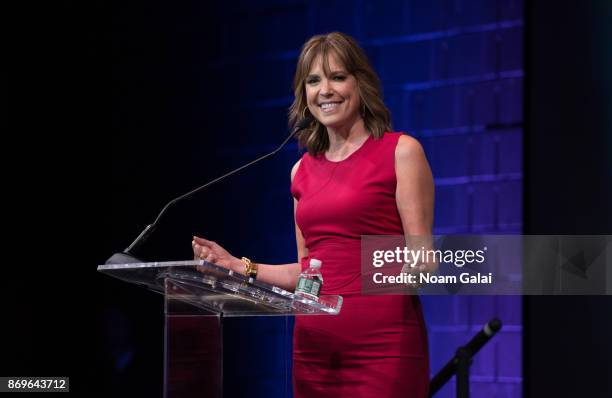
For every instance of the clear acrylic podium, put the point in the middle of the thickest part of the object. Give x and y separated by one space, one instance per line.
198 296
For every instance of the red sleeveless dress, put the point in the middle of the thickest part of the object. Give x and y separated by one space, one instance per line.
377 346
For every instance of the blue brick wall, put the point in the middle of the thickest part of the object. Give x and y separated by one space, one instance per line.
452 74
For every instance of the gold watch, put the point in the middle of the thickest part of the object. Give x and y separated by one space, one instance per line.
250 268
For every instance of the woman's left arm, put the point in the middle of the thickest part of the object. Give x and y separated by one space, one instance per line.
414 194
415 187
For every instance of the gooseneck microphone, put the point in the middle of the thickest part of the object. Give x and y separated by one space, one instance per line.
127 256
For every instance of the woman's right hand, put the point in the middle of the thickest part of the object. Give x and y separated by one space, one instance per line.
213 253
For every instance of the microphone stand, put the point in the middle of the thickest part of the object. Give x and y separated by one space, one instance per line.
127 256
461 362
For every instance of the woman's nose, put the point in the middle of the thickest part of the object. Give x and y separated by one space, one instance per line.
326 89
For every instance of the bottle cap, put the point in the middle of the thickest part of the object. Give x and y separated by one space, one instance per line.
315 263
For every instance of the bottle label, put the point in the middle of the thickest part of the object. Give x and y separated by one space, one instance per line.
308 286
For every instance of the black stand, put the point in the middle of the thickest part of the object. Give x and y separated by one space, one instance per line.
461 362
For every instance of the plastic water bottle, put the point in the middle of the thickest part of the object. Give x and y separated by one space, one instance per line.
310 281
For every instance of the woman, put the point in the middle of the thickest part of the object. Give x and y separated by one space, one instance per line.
356 179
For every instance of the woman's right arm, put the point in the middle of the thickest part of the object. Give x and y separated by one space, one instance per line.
284 276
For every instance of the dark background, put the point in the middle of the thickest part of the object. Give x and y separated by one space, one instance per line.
102 145
568 188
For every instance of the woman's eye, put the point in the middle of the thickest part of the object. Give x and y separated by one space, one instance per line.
339 78
311 80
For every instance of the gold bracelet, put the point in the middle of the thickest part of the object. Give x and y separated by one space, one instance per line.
250 268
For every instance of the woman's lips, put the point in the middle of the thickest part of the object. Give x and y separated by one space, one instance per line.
329 107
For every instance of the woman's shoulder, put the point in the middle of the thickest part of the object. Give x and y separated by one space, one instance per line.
402 140
393 136
304 160
406 145
295 168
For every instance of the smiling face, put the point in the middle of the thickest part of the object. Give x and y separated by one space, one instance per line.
333 97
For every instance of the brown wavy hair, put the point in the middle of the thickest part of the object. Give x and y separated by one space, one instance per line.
376 116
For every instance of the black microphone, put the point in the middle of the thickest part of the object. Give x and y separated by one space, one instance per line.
127 256
486 333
